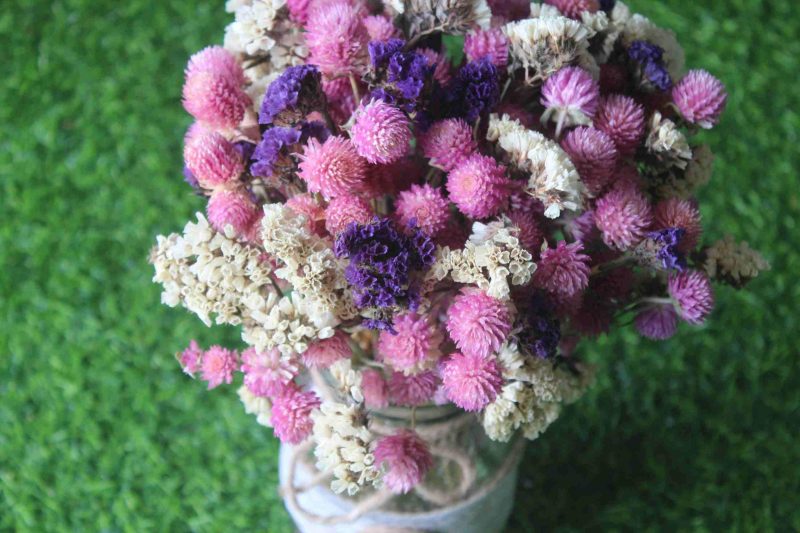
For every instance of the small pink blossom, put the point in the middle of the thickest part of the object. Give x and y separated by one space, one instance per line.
479 186
478 323
594 155
337 38
563 270
267 374
324 353
218 62
694 298
471 381
344 210
212 159
381 132
447 143
376 392
381 28
218 366
622 119
442 68
291 414
332 168
701 98
231 207
426 206
305 204
414 346
657 323
490 43
215 100
407 459
623 217
683 214
574 8
411 391
191 359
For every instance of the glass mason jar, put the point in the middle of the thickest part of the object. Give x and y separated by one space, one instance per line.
469 489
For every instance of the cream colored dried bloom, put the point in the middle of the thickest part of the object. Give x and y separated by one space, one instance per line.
541 46
283 323
250 32
209 273
498 252
667 143
605 30
553 177
347 379
446 16
256 405
734 263
343 446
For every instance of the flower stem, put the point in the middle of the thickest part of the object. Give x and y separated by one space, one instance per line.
354 86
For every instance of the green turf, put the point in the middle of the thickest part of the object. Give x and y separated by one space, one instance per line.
99 431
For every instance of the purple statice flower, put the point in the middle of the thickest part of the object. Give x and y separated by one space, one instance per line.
292 96
667 242
381 51
475 91
383 262
314 129
408 72
540 330
245 149
651 59
398 77
273 148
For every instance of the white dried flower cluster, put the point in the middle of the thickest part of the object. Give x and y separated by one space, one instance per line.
210 273
532 397
250 32
542 45
348 380
553 177
281 322
343 446
256 405
606 29
310 265
667 143
734 263
447 16
493 259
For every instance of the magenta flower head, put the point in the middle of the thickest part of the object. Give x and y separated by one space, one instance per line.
414 390
657 323
623 217
291 414
426 206
381 28
218 366
683 214
490 43
701 98
478 323
471 381
266 374
218 62
447 143
594 155
407 459
212 159
563 271
216 100
304 204
442 68
376 393
332 168
298 10
381 133
343 210
191 359
531 234
570 97
414 347
231 207
693 296
574 8
324 353
337 38
479 187
622 119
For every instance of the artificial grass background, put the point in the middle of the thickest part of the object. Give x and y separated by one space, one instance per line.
100 431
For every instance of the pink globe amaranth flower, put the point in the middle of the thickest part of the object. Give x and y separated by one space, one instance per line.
471 381
231 207
657 323
677 213
583 227
448 143
381 133
381 28
700 98
574 8
218 366
479 187
392 178
531 234
291 414
517 112
337 38
623 217
510 10
490 43
215 100
305 204
593 318
376 393
415 346
324 353
442 68
212 159
266 374
407 459
191 359
343 210
627 178
478 323
524 202
298 10
622 119
218 62
412 391
332 168
691 291
426 206
571 90
563 271
594 155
